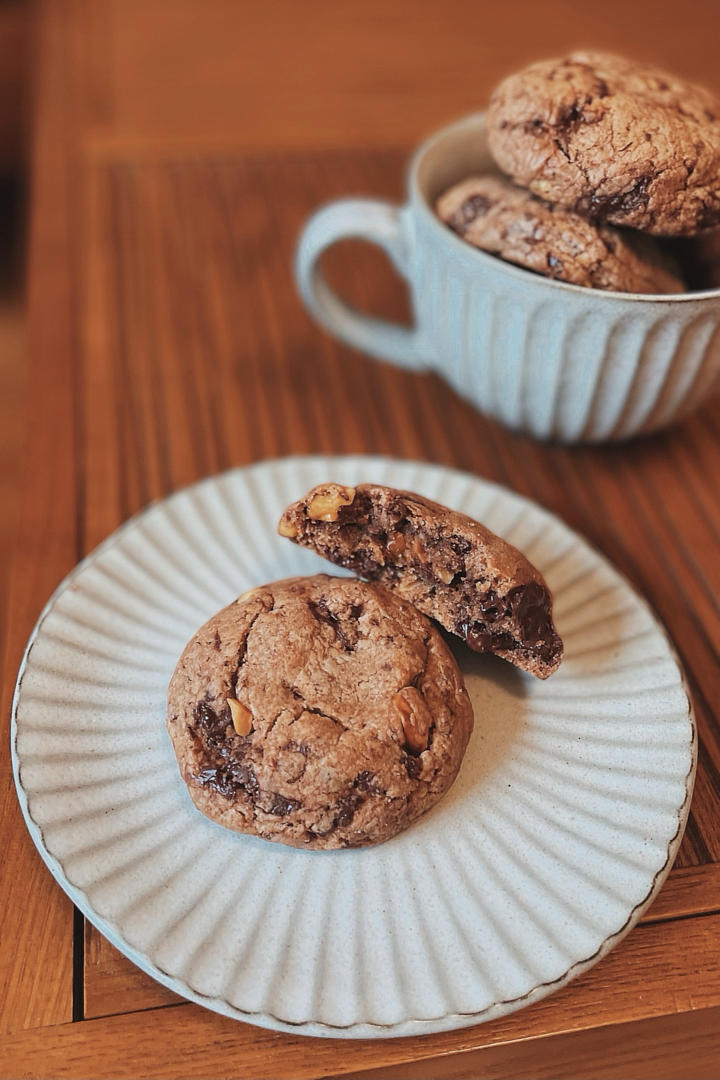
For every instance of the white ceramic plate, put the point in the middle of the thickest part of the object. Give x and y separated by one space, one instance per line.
558 832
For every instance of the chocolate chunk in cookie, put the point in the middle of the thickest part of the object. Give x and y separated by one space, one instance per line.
450 567
492 214
321 712
612 140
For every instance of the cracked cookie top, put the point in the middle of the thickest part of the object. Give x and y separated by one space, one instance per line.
322 712
612 140
492 214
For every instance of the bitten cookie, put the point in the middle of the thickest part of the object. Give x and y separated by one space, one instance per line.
612 140
322 712
450 567
502 219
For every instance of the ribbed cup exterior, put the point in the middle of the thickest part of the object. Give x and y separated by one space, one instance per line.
567 364
558 361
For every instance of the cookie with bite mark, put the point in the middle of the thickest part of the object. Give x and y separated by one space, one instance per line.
447 565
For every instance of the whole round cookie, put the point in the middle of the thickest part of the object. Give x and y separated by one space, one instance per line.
322 712
505 220
612 140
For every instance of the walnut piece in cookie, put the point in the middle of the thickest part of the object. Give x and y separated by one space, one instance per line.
322 712
449 566
612 140
495 215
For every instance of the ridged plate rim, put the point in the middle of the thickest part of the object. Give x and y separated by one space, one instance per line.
266 1019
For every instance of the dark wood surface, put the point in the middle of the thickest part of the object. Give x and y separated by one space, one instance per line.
174 162
14 65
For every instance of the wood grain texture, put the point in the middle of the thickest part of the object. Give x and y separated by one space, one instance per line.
336 73
113 984
15 51
12 352
176 156
688 890
36 919
638 980
654 1049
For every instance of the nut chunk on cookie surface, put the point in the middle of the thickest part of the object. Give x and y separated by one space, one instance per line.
448 565
322 712
613 140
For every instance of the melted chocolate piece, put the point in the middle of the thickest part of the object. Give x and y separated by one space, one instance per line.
364 781
472 208
481 639
600 207
528 604
211 726
413 766
222 770
489 603
347 805
363 563
228 779
323 614
460 545
478 638
282 806
531 606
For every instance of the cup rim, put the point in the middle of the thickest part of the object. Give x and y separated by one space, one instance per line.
458 246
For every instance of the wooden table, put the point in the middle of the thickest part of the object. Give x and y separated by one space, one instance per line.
177 148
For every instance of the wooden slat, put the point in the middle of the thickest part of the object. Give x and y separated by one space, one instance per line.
36 919
12 353
642 978
657 1049
688 890
15 27
341 75
113 984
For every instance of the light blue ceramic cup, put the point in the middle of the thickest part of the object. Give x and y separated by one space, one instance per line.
557 361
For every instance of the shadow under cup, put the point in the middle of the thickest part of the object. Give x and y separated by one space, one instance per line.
554 360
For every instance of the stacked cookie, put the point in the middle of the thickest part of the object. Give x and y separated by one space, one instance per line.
601 157
329 712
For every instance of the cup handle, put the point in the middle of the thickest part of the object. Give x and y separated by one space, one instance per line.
365 219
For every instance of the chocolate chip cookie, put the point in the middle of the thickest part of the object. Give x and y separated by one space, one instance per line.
322 712
502 219
612 140
450 567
